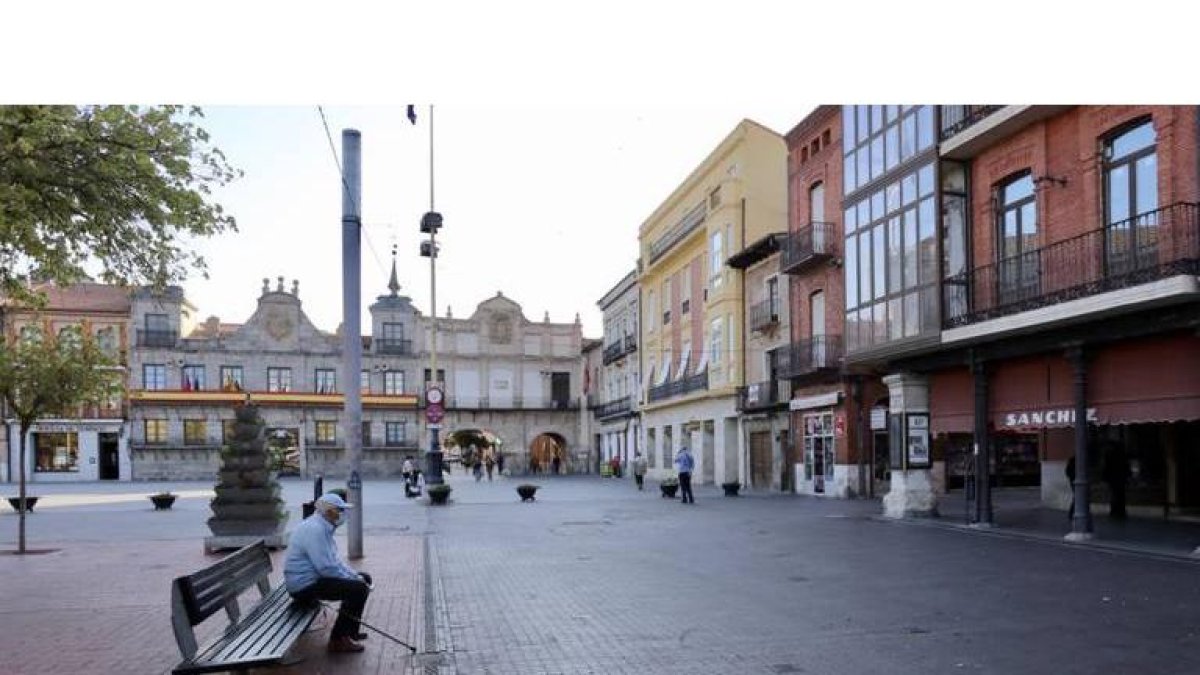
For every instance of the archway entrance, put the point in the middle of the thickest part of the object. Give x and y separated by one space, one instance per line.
548 454
472 445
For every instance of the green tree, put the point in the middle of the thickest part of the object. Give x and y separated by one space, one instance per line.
41 375
124 186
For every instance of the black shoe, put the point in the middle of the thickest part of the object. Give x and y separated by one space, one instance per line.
360 636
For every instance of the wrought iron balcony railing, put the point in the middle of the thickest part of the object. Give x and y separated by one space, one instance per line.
1148 247
764 314
614 408
816 355
807 246
620 348
763 395
393 346
956 118
630 344
157 338
680 387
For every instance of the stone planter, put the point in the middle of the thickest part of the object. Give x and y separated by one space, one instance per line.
527 492
162 502
668 489
29 503
438 494
731 489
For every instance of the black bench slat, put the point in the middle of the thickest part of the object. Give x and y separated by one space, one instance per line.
261 636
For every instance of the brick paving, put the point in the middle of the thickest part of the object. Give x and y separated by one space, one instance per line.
595 577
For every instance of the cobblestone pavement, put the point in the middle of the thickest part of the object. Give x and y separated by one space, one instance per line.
596 577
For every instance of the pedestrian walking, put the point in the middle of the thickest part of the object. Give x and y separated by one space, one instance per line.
639 468
684 465
407 468
489 462
500 462
555 463
477 469
313 570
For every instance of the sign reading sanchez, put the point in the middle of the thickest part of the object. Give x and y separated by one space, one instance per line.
1044 418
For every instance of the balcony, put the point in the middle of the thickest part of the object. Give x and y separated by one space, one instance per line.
680 387
509 403
156 338
812 359
763 395
966 130
807 246
1146 248
393 346
630 344
620 348
764 315
614 408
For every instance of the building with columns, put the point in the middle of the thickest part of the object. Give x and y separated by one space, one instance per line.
692 348
504 375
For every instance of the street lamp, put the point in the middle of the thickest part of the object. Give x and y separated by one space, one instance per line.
431 222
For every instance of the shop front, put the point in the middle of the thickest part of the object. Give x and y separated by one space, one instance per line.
819 428
68 451
1142 412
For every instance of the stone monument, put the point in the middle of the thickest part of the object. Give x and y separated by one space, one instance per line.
247 506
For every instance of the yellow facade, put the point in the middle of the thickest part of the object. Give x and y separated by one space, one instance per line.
735 196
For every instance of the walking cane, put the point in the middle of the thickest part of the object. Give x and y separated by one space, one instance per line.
364 624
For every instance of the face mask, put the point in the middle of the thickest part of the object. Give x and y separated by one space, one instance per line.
341 520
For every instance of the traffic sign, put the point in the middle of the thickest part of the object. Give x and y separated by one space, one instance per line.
434 412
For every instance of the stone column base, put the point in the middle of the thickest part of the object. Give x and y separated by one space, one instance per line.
911 495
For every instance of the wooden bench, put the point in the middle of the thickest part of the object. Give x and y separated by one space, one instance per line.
263 636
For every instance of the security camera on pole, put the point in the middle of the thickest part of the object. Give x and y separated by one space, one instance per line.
431 222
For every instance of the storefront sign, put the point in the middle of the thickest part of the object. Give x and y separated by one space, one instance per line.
1045 418
918 440
879 418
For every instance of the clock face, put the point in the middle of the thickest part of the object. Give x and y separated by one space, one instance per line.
434 395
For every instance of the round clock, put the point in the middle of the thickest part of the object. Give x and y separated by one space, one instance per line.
434 395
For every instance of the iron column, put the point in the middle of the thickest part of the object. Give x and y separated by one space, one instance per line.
351 329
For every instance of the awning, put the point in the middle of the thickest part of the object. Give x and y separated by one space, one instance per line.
819 401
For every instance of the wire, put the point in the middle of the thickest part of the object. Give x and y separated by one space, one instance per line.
345 185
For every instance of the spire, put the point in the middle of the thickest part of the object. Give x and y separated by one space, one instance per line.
393 284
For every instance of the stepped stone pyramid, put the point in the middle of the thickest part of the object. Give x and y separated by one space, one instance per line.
247 506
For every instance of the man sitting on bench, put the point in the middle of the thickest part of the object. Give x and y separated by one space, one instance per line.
313 570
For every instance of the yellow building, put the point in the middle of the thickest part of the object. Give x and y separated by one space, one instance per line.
692 303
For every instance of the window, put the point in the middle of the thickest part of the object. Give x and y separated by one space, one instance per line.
891 262
773 297
392 341
232 379
954 238
393 382
70 337
364 381
56 452
366 434
31 334
227 432
192 378
154 376
279 379
326 432
666 295
195 432
157 323
395 433
714 198
685 290
441 376
326 382
1016 239
156 431
878 139
1131 199
716 341
716 259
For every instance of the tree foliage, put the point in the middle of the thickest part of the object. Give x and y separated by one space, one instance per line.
42 376
121 185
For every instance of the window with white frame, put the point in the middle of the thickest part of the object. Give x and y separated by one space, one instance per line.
393 382
716 341
716 258
154 376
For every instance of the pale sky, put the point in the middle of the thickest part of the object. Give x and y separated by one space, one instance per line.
542 203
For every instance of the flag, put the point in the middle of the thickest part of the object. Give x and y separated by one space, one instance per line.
412 114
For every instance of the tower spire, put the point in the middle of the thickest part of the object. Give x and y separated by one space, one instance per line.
393 284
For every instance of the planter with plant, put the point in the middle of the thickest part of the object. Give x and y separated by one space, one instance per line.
29 503
731 489
527 491
438 494
248 505
668 486
163 500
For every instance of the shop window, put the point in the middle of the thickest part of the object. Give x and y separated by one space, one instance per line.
818 449
56 452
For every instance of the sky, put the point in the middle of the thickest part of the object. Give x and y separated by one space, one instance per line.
558 127
542 203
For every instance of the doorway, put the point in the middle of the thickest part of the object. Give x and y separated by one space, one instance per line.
760 460
110 462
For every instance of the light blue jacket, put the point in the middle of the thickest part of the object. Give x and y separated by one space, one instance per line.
684 462
312 554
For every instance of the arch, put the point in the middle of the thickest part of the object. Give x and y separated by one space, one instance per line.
544 449
472 440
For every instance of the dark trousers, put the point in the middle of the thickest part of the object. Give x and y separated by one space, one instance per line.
685 487
352 593
639 478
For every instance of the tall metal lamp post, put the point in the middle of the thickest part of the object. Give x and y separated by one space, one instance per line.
431 222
